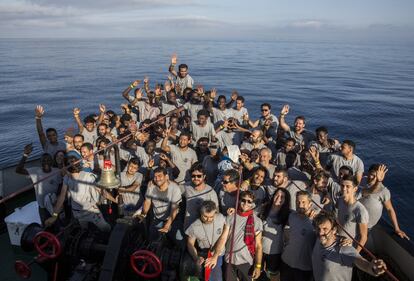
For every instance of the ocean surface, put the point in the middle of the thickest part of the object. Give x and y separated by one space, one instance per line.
363 92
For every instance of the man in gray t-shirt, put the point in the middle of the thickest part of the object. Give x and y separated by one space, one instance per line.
182 155
164 196
196 193
297 254
345 158
333 262
131 181
210 232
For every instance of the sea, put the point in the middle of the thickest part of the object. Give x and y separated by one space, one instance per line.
363 91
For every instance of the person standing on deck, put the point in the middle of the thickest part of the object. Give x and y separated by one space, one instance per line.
183 79
302 136
375 196
88 128
346 158
296 256
210 231
45 187
162 198
352 215
332 261
49 141
246 254
182 155
196 193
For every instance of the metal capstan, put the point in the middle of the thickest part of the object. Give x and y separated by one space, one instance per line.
109 178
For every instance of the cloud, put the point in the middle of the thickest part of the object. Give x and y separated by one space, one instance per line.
307 24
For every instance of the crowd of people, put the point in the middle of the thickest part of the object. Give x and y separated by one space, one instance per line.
249 199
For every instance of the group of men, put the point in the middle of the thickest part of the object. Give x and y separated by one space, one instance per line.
249 199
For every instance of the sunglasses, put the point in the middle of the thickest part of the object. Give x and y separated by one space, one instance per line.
197 176
264 110
246 201
225 182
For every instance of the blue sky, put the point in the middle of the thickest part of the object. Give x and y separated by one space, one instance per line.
260 19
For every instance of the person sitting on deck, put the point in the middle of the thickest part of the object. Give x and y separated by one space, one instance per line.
44 187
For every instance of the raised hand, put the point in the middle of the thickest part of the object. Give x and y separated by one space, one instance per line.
28 149
138 94
151 163
136 83
213 93
174 59
164 157
76 111
246 117
314 153
39 111
167 86
234 95
285 110
382 170
102 108
146 80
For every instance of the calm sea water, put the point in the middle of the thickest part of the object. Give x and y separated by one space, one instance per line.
363 92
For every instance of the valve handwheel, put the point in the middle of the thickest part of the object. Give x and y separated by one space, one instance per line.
22 269
143 260
47 245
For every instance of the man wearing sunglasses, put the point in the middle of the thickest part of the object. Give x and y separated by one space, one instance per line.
332 261
196 193
228 192
244 257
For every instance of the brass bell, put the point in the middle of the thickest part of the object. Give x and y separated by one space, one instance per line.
108 179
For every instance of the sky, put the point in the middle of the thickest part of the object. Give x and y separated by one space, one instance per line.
213 19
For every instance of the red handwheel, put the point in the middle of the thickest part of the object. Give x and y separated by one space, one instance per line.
22 269
47 245
146 264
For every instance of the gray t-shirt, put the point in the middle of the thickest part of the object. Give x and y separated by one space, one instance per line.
281 159
248 145
44 187
83 193
303 138
272 131
220 115
210 166
144 157
186 82
350 216
293 187
241 254
183 159
238 114
374 204
272 240
131 199
333 263
163 201
198 132
193 109
336 161
225 138
298 252
194 199
207 234
227 201
53 148
90 136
